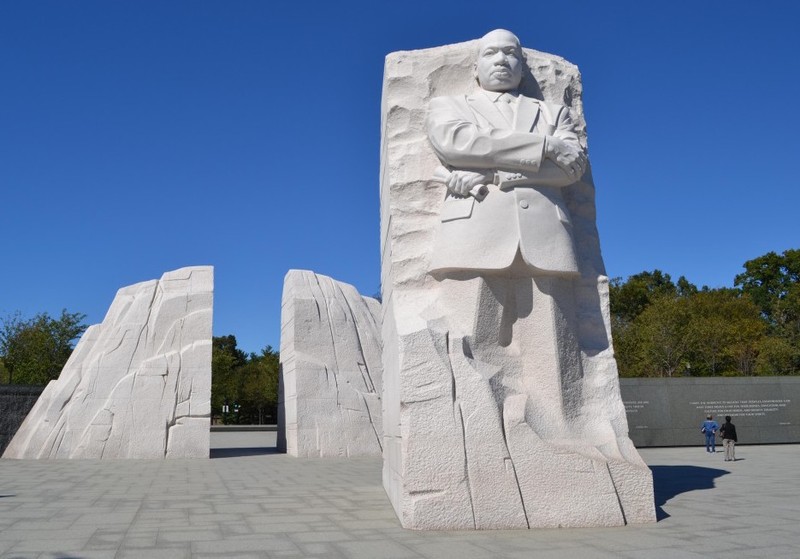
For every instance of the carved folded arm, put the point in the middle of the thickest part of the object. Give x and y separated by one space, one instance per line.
565 157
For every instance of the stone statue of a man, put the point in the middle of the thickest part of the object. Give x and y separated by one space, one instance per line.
501 403
507 257
526 148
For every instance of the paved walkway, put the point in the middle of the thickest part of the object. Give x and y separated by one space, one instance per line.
248 501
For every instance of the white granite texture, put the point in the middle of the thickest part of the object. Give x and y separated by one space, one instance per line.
136 386
528 431
329 402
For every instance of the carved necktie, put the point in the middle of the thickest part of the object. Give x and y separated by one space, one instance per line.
503 104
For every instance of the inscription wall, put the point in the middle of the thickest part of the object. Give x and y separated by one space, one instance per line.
15 403
669 411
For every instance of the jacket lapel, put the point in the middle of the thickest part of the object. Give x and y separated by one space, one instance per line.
527 114
482 105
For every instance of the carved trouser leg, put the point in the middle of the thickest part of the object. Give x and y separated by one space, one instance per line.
513 337
520 330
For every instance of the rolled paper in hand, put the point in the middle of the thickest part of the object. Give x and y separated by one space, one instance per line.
479 191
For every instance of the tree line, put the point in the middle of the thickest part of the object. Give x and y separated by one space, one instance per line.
660 327
663 328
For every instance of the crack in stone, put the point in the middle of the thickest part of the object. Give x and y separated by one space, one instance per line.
616 492
514 469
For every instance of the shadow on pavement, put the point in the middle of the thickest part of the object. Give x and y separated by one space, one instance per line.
669 481
236 452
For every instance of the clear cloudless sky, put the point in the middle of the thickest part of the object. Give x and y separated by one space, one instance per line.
142 136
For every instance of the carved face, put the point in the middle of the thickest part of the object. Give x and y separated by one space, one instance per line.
499 65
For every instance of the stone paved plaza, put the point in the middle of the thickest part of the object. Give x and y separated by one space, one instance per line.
249 501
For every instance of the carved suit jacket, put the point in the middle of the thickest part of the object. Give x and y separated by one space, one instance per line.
524 208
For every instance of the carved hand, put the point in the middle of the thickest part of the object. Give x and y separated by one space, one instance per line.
461 182
571 160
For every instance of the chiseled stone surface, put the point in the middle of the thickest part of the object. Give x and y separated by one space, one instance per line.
331 372
136 386
530 430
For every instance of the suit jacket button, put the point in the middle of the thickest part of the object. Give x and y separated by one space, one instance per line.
523 204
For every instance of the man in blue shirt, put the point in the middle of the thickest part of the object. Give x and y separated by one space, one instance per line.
709 429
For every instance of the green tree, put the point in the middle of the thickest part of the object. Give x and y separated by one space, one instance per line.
638 331
259 387
773 281
248 384
685 288
725 331
630 298
777 356
34 351
226 359
657 341
226 345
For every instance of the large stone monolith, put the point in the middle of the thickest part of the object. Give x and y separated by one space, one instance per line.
136 386
501 402
331 373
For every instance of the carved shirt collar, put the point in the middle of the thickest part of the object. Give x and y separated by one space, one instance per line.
495 95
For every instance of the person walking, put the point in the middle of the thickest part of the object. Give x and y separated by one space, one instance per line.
709 429
729 440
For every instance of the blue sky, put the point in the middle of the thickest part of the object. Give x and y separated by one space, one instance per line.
140 137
